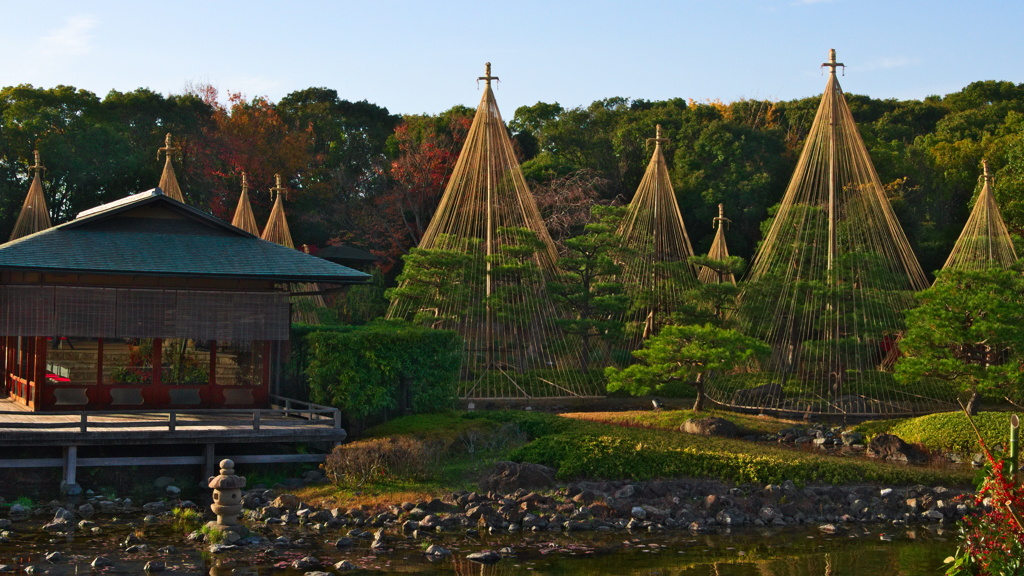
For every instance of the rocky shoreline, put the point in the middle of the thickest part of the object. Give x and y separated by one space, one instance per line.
697 506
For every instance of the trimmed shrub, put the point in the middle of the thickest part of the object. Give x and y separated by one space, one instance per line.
395 458
385 365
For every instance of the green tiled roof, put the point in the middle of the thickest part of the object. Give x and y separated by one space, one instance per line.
151 234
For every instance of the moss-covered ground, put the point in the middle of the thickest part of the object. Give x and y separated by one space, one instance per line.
637 445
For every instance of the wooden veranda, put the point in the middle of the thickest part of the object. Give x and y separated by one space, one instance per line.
286 421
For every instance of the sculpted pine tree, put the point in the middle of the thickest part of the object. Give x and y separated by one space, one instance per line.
588 286
684 354
965 332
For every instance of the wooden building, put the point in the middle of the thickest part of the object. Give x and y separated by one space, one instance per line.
147 302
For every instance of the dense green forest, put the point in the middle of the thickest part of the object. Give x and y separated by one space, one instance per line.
363 176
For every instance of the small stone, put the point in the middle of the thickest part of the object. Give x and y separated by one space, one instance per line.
154 566
638 512
221 548
53 557
627 491
173 490
437 551
286 501
86 511
17 512
102 562
154 507
485 557
306 563
70 490
885 492
63 515
137 549
343 543
345 566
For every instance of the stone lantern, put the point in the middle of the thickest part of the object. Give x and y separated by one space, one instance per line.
227 498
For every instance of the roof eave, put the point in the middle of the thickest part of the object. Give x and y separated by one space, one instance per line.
358 278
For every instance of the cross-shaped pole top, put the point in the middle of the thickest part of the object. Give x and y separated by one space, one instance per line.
657 140
168 148
278 188
245 183
717 221
38 167
832 62
984 169
487 74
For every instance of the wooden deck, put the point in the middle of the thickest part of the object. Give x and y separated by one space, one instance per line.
285 421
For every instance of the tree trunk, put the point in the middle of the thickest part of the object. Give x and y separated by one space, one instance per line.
698 405
973 403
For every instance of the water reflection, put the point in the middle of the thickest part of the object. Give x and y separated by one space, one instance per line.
868 551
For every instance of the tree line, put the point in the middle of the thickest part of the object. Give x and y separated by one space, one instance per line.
361 175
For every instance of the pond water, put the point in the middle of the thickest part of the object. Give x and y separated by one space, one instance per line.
854 550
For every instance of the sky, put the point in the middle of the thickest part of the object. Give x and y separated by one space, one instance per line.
425 57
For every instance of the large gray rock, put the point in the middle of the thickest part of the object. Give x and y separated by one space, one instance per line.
507 477
711 426
893 449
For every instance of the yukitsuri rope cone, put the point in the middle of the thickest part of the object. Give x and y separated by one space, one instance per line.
168 181
305 308
34 215
485 259
277 230
985 242
828 287
719 251
244 218
657 273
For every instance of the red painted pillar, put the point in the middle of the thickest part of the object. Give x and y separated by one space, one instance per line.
42 385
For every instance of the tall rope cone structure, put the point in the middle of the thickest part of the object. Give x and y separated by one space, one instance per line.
496 296
719 251
168 181
985 242
829 285
34 216
658 272
305 308
244 217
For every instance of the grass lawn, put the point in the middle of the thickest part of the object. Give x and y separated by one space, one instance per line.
640 445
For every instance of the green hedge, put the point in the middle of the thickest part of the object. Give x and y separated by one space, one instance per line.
638 455
365 370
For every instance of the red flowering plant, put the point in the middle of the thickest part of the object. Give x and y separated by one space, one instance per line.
992 542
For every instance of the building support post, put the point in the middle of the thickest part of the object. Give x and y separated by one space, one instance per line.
209 460
70 466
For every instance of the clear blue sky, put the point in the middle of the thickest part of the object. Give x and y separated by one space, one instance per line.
416 57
